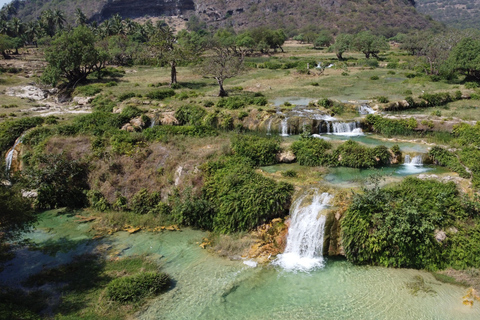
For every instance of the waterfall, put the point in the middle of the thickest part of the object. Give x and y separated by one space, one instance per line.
347 128
9 156
305 234
284 128
416 161
365 109
269 126
413 165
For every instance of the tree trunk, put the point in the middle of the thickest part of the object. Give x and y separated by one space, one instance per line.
367 55
339 56
222 92
173 73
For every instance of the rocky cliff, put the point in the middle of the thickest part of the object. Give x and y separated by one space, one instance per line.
386 17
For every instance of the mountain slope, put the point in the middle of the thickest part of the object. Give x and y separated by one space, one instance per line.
457 13
382 16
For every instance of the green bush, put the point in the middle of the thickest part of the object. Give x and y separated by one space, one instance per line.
289 174
11 130
313 152
374 78
97 200
126 95
390 127
88 90
160 94
190 115
103 103
448 159
471 85
354 155
130 112
395 226
137 287
208 104
260 150
436 99
143 202
382 99
159 132
241 198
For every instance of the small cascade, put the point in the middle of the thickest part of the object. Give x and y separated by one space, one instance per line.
415 161
284 128
269 126
305 235
9 156
347 128
365 109
413 165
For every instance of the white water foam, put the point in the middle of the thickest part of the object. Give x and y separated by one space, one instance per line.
412 165
305 235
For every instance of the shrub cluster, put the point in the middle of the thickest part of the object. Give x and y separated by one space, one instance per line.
241 198
261 151
395 227
318 152
11 130
136 287
238 102
448 159
390 127
160 94
190 115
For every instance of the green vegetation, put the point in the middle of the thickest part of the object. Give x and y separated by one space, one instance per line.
137 287
242 198
395 226
391 127
313 152
261 151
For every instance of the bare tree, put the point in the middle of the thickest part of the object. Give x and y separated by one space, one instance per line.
222 63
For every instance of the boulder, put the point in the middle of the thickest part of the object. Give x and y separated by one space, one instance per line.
27 92
440 235
286 157
82 100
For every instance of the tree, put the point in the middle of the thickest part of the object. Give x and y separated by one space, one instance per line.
16 214
369 44
341 45
324 39
80 17
172 50
223 63
73 55
465 58
6 43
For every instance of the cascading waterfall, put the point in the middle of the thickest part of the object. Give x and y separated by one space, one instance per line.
412 165
9 156
284 127
347 128
415 161
305 234
269 126
364 110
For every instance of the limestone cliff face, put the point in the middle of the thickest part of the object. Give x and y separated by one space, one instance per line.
151 8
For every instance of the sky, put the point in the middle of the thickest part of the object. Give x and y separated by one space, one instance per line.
3 2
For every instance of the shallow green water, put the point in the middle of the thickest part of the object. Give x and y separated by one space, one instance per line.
209 287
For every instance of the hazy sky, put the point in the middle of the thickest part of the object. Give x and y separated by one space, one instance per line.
2 2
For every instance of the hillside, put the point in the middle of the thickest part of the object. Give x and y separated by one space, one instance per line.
386 17
457 13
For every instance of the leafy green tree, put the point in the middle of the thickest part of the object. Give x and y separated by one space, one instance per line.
6 44
465 58
16 214
74 55
369 44
342 44
324 39
60 182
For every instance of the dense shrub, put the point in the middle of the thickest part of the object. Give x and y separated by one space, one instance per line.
130 112
436 99
126 95
395 226
260 150
88 90
313 152
136 287
470 157
467 135
190 115
161 94
11 130
97 200
390 127
143 202
241 198
237 102
60 182
352 154
158 132
103 103
191 210
448 159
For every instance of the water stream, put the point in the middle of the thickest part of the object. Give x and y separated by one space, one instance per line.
9 156
305 234
210 287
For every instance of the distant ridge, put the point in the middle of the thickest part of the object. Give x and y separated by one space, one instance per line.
380 16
